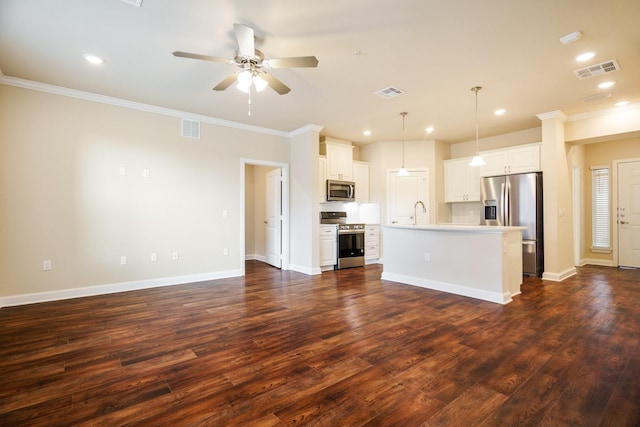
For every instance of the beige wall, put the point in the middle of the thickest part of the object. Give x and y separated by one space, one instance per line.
62 197
603 154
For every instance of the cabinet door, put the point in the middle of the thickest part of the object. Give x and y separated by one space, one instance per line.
525 159
361 178
495 164
455 183
473 183
339 162
328 245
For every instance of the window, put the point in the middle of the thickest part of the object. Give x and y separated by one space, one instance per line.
600 209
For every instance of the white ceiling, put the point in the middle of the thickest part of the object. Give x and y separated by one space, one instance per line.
434 50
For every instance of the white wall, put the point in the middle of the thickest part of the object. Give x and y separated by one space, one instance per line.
62 197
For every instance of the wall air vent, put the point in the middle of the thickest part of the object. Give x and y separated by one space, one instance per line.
136 3
190 129
597 69
389 92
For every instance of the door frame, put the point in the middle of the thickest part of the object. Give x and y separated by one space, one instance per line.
285 209
614 206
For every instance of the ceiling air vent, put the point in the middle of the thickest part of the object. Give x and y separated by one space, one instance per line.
389 92
190 129
597 69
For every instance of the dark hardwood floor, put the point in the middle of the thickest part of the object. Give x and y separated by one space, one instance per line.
342 349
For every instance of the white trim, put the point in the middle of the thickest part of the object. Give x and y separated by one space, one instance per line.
114 288
602 113
118 102
557 114
285 209
451 288
305 270
305 129
601 262
559 277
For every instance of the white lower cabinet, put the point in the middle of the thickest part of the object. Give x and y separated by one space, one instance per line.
371 242
328 245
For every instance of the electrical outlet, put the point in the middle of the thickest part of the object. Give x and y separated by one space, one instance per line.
146 173
154 257
123 171
427 256
225 213
225 251
46 265
123 260
176 256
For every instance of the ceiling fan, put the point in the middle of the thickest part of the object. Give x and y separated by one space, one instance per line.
252 64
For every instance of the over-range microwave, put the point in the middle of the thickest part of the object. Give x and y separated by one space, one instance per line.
341 191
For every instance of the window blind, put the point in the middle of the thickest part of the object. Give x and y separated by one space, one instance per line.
600 208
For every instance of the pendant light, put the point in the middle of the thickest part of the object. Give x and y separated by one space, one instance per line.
477 160
403 171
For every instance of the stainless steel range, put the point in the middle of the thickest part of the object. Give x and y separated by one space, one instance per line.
350 239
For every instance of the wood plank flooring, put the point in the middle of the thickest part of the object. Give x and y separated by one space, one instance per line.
278 348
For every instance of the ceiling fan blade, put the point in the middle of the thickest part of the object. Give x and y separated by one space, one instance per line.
203 57
246 41
276 84
226 82
300 61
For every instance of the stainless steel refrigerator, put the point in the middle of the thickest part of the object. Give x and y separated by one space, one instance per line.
517 200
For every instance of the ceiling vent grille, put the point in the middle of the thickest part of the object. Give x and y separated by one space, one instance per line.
389 92
597 69
190 129
136 3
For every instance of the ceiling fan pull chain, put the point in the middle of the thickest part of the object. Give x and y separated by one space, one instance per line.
249 103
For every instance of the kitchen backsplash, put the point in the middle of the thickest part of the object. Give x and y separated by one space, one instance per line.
366 213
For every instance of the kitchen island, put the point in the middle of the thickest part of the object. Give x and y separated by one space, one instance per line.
483 262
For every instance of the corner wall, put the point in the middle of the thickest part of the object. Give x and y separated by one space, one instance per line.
73 190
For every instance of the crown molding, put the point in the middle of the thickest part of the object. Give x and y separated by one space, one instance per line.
118 102
602 113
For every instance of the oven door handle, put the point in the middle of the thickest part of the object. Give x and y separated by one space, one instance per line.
350 232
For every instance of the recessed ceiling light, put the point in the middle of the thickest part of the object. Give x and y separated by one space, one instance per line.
585 56
606 85
621 103
429 129
93 58
499 111
366 132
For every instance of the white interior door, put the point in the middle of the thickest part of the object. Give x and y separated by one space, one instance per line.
629 214
273 222
403 194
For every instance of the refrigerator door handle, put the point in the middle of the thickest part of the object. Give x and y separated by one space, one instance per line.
507 204
503 218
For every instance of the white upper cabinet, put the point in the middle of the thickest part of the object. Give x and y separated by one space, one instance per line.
461 181
339 159
361 178
511 160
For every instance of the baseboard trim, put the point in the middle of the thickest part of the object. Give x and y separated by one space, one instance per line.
113 288
559 277
451 288
305 270
601 262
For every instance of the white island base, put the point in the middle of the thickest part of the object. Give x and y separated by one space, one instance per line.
481 262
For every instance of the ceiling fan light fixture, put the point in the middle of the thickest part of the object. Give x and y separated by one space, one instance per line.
259 83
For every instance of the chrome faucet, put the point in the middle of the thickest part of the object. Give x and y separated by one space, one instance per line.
415 211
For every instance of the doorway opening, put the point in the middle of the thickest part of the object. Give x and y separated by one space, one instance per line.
264 213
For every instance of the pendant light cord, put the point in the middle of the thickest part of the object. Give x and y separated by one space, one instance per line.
403 114
477 89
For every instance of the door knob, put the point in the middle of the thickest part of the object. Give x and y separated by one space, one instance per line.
624 222
394 222
265 222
